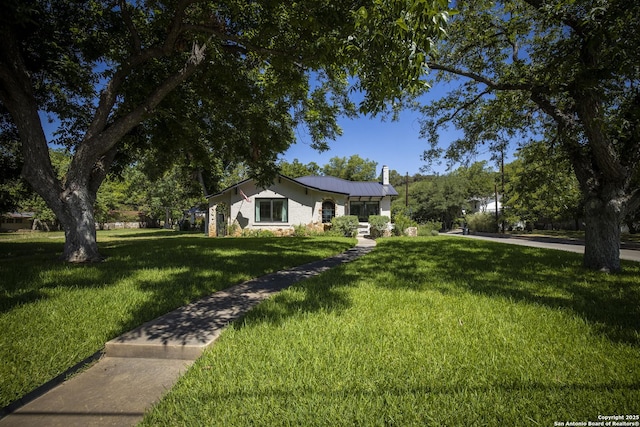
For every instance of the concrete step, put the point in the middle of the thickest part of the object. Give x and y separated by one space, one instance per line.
185 333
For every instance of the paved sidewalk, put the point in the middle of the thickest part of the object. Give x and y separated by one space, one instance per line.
141 365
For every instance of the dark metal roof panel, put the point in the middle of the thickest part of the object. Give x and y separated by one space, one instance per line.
333 185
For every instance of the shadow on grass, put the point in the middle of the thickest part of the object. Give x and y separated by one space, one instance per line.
551 278
187 267
140 280
325 294
454 266
205 318
144 232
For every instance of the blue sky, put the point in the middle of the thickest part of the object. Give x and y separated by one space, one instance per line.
396 144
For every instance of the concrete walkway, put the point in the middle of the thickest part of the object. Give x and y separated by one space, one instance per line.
140 366
629 252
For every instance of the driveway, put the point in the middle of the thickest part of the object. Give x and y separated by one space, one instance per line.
628 252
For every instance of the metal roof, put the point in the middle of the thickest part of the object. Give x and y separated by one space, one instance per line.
352 188
333 185
19 214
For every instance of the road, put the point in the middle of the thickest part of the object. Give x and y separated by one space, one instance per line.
628 252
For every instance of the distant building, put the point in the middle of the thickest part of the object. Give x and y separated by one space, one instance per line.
486 205
16 221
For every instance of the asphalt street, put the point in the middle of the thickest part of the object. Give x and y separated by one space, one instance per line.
627 252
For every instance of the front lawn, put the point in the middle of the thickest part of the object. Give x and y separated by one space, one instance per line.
440 331
53 315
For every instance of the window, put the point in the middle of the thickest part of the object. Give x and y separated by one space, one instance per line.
272 210
364 209
328 211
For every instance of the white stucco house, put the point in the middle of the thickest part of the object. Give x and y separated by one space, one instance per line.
485 204
289 202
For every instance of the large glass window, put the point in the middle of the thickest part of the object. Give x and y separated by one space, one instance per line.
328 210
364 209
272 210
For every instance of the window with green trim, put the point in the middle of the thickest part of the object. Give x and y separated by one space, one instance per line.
272 210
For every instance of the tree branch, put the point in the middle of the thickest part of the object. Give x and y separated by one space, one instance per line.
136 42
567 125
570 21
238 42
18 98
123 125
462 107
514 44
479 78
109 93
590 113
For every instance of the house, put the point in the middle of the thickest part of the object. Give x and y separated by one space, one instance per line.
485 204
290 202
16 221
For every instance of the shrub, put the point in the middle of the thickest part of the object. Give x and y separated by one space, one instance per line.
247 232
401 223
301 230
332 232
378 224
234 229
483 222
309 230
346 225
427 228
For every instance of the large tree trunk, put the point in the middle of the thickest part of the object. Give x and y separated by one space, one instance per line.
79 227
603 216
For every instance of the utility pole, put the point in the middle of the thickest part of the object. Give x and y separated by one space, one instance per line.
495 189
502 177
406 195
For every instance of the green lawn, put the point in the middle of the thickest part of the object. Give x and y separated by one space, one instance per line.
439 331
53 315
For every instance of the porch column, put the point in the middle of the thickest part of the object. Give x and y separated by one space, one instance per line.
213 217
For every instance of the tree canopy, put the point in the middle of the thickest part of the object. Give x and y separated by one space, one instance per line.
296 169
198 80
562 72
542 187
354 168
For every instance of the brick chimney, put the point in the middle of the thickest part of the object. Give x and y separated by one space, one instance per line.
385 175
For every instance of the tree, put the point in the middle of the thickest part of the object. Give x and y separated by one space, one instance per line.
23 198
12 188
296 169
190 77
564 72
479 180
542 186
355 168
441 198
